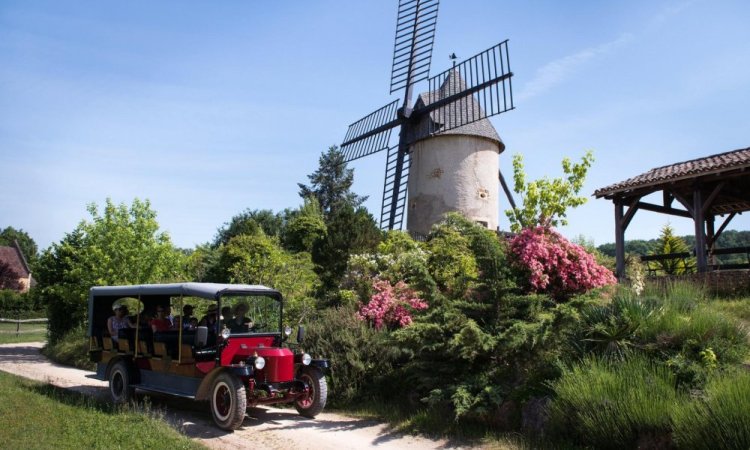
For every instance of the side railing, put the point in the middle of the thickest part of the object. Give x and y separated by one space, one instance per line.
18 322
661 264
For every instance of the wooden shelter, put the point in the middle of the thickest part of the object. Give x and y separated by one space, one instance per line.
705 188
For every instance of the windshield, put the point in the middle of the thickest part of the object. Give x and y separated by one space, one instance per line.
251 313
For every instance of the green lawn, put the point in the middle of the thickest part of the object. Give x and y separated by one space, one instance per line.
40 416
29 332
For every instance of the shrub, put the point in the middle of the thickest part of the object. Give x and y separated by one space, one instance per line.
72 349
610 404
555 266
718 419
355 350
391 306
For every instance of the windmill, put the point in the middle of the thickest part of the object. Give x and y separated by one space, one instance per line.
456 105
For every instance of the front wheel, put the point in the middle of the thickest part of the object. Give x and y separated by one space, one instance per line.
312 404
120 388
228 401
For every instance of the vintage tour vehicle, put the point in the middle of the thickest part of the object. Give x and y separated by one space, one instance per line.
235 360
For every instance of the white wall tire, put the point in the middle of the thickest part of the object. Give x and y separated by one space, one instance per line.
228 401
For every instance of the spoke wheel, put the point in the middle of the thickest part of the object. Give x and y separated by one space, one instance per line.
311 404
120 389
228 402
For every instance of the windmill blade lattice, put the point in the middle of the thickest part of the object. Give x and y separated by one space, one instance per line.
394 189
475 89
415 34
371 133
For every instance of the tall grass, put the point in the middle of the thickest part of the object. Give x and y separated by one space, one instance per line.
608 403
720 418
39 416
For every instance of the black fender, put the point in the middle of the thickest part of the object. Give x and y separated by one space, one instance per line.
323 364
208 380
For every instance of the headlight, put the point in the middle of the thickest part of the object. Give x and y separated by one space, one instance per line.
259 363
306 359
288 330
225 333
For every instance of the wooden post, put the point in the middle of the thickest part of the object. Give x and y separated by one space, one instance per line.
619 241
700 234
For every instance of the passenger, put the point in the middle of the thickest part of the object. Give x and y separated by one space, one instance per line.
226 316
192 324
240 323
209 320
119 321
161 323
186 317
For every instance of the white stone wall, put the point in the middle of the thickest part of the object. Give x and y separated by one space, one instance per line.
453 173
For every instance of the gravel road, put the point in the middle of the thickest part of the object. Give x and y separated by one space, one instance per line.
264 427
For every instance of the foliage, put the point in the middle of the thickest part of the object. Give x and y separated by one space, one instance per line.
350 231
29 248
451 261
306 227
203 264
611 404
677 329
122 245
357 353
545 201
71 350
556 266
391 306
249 222
331 183
719 418
35 416
259 259
13 303
669 243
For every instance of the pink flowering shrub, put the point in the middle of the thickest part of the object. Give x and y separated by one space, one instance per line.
391 306
556 266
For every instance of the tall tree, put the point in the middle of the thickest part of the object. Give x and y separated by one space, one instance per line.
331 183
120 245
248 222
545 201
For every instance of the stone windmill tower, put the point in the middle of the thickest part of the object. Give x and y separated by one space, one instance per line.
456 170
445 140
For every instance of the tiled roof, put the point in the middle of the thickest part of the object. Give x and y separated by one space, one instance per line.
455 113
14 258
721 162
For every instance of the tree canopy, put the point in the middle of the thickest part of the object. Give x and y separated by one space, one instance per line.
331 183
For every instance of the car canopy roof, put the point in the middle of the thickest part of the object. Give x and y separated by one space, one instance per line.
202 290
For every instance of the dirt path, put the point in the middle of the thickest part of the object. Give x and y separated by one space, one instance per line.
263 427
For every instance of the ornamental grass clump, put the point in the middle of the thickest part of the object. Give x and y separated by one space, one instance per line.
606 403
556 266
719 418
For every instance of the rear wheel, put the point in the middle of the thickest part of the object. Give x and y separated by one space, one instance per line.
228 401
312 404
120 388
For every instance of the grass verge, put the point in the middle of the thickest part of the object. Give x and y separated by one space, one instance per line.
39 416
29 332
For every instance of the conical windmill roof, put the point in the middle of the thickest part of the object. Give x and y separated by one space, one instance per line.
458 112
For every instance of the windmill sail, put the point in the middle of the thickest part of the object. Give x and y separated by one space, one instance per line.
476 89
371 133
415 34
394 189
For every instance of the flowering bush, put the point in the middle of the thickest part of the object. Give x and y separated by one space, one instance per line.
391 306
555 265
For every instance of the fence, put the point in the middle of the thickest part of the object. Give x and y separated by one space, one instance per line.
18 323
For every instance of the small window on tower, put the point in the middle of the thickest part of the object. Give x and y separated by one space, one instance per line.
483 223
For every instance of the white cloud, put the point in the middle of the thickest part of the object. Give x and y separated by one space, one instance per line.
559 70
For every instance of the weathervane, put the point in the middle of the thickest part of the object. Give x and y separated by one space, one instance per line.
470 91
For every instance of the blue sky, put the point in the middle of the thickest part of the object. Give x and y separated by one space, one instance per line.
209 108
